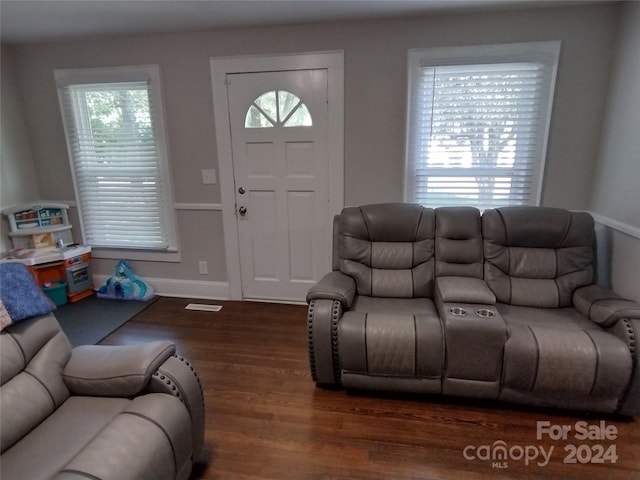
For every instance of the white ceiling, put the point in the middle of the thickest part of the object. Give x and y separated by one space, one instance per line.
47 20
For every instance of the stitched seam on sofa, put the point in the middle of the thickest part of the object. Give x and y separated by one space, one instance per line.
555 276
443 349
44 387
567 230
366 224
535 374
366 349
506 241
79 472
413 280
509 286
413 257
156 362
164 432
24 355
415 234
595 374
415 347
94 379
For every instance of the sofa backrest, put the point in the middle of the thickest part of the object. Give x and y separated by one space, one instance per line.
33 355
458 240
387 248
537 256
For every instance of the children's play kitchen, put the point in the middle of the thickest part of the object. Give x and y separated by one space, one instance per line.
41 237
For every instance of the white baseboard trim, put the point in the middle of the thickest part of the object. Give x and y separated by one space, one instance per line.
171 287
617 225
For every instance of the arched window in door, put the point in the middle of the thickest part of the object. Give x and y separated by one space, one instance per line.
278 108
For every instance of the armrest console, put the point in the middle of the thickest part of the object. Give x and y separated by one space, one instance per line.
475 336
603 306
463 290
334 286
114 371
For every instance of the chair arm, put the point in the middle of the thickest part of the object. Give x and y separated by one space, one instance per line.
603 306
114 371
463 290
322 321
628 330
177 377
334 286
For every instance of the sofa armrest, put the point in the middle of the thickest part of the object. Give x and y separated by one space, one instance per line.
114 371
463 290
628 330
603 306
323 318
334 286
177 376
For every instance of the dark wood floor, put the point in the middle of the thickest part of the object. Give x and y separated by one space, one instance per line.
267 420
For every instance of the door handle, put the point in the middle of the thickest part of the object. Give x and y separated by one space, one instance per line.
242 211
241 190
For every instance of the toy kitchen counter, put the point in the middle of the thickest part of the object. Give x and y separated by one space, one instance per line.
70 264
42 240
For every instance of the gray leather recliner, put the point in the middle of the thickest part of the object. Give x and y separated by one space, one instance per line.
499 306
108 412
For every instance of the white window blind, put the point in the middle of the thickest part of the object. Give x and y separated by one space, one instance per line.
118 165
477 131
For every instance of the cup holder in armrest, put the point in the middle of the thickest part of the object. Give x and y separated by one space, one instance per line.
484 313
458 312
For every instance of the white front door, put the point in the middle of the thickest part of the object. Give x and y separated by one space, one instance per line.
278 122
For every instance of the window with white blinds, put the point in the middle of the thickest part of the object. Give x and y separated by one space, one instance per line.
478 121
118 157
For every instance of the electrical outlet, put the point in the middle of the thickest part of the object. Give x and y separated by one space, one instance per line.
203 267
209 176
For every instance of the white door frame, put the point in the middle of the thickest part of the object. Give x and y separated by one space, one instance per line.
333 62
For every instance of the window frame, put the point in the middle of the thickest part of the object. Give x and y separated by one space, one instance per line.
547 52
105 75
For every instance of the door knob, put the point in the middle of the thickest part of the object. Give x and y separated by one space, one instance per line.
241 190
242 211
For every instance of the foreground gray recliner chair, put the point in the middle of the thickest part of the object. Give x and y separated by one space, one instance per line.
499 306
108 412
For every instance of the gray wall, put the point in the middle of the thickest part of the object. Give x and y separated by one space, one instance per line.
375 96
18 180
616 183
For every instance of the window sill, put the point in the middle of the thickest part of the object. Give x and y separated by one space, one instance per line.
145 256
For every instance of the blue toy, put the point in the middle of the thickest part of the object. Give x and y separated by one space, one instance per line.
124 285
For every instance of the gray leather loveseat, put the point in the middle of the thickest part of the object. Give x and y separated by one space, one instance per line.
108 412
500 306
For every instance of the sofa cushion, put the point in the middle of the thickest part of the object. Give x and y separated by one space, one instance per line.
537 256
60 437
392 344
575 362
387 249
33 355
147 437
463 290
458 242
559 318
405 306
